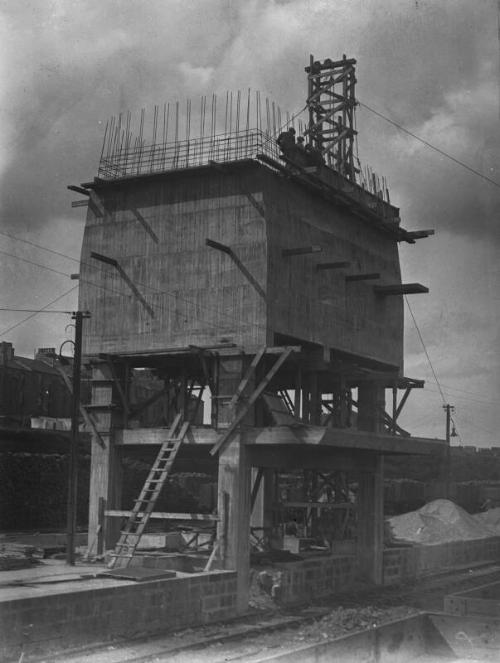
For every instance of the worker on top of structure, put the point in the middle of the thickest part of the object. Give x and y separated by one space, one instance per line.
286 142
314 155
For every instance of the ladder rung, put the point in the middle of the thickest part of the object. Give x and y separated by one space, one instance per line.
129 540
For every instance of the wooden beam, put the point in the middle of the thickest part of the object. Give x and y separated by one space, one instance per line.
362 277
332 265
301 250
319 505
418 234
105 259
217 245
79 203
400 289
402 402
291 438
118 513
114 263
144 224
246 378
256 486
229 251
78 189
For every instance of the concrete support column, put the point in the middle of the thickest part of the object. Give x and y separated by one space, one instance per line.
233 529
370 539
371 406
105 466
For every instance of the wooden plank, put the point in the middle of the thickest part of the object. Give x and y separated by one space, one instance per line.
163 515
79 203
319 505
155 436
211 559
400 289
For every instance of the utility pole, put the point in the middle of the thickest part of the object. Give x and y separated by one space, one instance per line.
449 409
78 317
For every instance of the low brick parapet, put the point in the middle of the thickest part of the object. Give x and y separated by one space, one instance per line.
60 621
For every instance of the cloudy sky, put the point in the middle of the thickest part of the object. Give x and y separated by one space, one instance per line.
431 66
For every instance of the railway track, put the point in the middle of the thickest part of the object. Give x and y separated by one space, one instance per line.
260 634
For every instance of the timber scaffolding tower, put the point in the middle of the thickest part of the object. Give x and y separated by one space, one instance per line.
264 287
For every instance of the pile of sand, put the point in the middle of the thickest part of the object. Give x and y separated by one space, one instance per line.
490 519
437 522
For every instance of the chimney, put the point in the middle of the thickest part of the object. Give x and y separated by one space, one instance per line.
6 352
46 355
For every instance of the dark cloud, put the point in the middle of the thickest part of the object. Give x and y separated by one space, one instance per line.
66 66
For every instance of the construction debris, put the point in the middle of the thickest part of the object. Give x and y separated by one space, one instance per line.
18 556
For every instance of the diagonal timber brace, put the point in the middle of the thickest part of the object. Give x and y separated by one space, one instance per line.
224 439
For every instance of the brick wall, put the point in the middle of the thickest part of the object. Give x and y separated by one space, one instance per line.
47 624
410 562
313 578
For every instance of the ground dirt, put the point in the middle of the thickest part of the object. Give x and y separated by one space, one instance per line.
269 628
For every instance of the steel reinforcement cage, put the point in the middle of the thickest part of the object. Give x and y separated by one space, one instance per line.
156 158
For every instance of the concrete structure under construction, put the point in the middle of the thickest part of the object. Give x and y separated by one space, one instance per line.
267 286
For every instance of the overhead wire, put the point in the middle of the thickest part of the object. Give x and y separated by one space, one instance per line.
430 145
168 293
43 309
430 364
425 349
191 302
32 310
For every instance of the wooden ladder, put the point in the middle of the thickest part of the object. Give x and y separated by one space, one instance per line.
144 505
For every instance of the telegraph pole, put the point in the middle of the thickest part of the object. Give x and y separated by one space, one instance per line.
449 409
73 458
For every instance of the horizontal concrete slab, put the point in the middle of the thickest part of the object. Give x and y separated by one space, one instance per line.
319 436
